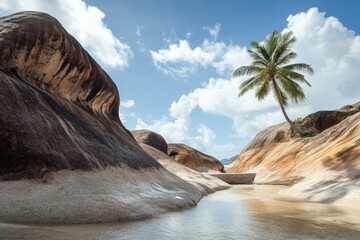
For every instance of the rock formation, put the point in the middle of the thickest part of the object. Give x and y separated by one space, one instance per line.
194 159
324 119
65 157
227 161
325 167
151 138
153 144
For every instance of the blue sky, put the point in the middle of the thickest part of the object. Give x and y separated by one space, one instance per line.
172 60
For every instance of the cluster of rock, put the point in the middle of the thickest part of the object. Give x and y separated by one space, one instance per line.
324 168
65 156
190 169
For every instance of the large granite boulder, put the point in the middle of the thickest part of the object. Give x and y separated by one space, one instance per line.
154 144
203 181
324 168
325 119
193 158
65 157
151 138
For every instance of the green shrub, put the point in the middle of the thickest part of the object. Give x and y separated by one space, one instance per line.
294 133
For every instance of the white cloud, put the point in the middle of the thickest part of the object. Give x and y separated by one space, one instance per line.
127 103
177 130
213 31
82 21
331 49
179 59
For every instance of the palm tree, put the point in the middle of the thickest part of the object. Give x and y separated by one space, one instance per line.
270 71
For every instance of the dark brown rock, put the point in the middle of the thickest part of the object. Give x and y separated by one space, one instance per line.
325 119
151 138
193 158
59 109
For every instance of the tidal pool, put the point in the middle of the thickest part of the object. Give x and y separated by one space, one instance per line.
242 212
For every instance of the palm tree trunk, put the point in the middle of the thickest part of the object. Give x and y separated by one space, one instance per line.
293 126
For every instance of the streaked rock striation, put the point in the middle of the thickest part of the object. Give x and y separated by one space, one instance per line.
154 143
324 168
65 157
193 158
151 138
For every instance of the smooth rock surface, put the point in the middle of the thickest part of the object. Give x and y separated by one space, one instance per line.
204 182
65 157
153 144
59 109
151 138
193 158
325 167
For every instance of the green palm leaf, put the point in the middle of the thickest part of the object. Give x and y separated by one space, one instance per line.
270 72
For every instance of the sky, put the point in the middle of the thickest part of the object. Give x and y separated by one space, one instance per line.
172 61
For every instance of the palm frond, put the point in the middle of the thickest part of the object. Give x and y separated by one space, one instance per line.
300 67
250 83
293 76
247 70
292 89
260 49
279 94
288 38
263 91
271 42
257 58
285 57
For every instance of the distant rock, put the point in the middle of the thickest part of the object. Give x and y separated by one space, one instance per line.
324 168
151 138
152 143
204 182
65 157
194 159
227 161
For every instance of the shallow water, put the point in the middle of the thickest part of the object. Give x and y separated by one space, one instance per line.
242 212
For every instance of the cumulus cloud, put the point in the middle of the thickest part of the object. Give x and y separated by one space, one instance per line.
82 21
177 129
127 103
333 51
180 60
323 42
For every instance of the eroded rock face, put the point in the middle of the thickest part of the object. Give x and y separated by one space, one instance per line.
59 109
193 158
154 144
203 182
325 167
325 119
151 138
65 157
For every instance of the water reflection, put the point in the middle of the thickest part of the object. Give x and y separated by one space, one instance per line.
243 212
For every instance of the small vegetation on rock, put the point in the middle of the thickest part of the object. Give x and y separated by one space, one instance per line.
292 131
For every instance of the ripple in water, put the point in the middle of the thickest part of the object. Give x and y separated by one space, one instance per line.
243 212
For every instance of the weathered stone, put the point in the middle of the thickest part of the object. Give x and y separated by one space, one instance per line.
151 138
193 158
59 109
65 157
324 168
325 119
